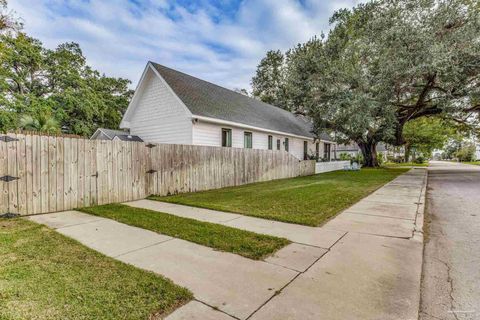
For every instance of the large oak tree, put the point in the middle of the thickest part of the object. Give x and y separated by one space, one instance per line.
388 62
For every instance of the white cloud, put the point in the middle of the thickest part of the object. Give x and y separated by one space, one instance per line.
118 36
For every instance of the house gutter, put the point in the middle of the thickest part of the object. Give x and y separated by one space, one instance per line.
246 126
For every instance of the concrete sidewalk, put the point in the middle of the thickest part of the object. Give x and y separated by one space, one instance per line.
363 264
317 237
224 281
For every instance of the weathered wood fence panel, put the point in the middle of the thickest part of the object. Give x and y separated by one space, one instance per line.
40 174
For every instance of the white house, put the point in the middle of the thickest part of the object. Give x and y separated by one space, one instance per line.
172 107
353 149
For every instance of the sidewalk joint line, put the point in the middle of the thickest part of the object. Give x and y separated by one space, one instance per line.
279 291
151 245
215 308
377 215
80 224
229 220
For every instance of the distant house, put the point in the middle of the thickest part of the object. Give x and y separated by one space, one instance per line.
353 149
172 107
108 134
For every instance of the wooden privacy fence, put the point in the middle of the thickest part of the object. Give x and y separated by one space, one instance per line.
40 174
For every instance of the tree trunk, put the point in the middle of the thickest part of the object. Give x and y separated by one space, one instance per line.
369 152
407 152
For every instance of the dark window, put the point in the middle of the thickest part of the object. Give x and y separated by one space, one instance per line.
317 150
247 140
305 150
286 144
270 142
226 137
278 144
326 151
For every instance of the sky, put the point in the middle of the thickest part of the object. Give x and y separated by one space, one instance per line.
221 41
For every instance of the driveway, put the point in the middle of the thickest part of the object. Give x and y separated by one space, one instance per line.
451 271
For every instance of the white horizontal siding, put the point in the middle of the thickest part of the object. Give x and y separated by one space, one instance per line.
210 134
159 116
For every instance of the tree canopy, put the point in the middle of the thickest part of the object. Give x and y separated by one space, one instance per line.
268 84
385 63
36 81
426 134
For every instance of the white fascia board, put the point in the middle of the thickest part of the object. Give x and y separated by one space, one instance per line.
125 123
245 126
95 134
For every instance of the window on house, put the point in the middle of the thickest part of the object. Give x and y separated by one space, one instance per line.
270 142
286 144
226 137
317 150
305 150
278 144
247 140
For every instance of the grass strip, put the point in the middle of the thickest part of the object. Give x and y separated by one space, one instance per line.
223 238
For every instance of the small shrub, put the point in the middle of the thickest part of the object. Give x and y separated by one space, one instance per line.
466 153
380 158
345 156
419 160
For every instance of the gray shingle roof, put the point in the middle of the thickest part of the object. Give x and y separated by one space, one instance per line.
112 133
122 135
206 99
127 137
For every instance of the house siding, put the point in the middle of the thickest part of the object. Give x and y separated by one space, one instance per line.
159 116
210 134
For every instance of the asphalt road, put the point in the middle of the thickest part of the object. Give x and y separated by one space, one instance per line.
451 267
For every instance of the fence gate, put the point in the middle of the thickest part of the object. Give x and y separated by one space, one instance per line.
40 174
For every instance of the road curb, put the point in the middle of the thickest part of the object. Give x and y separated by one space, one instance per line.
418 232
420 216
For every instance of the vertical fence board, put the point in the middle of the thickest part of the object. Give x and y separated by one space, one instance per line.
21 173
81 174
29 174
36 175
44 173
93 173
60 174
67 163
12 171
3 184
52 174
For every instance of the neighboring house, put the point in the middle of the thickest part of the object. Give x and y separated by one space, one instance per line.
477 151
172 107
353 149
108 134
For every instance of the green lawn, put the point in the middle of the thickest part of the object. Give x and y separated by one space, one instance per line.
405 164
477 163
44 275
307 200
245 243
